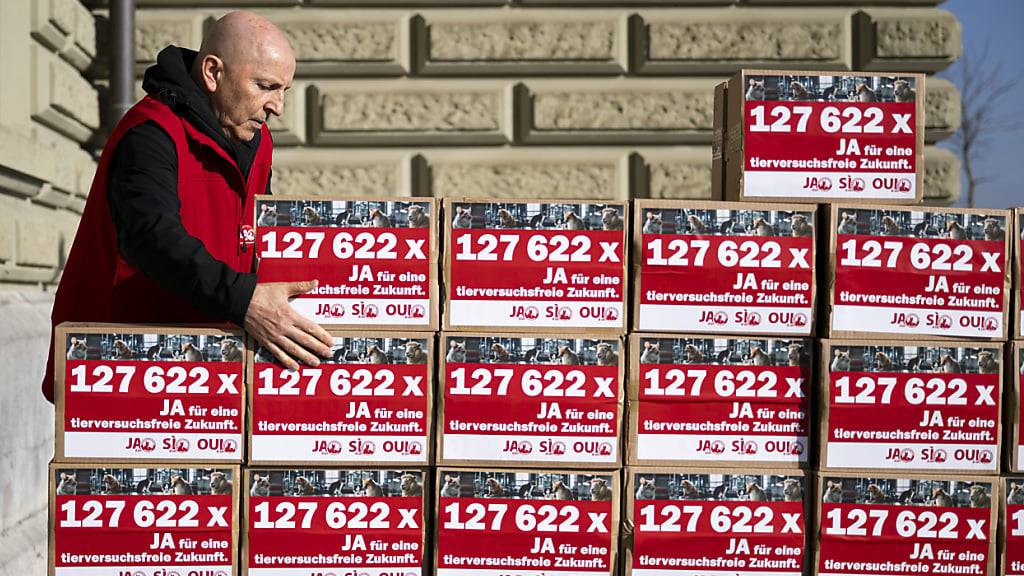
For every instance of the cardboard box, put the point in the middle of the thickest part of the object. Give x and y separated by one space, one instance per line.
718 140
911 407
491 521
720 401
1012 410
795 136
724 267
148 394
123 518
872 525
372 403
679 520
912 272
531 400
1011 526
535 265
1016 250
347 518
375 258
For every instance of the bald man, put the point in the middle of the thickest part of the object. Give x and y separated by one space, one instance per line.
167 231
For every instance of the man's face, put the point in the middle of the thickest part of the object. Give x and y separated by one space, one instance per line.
249 91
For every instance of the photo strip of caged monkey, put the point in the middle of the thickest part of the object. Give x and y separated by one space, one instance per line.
153 347
717 222
525 485
724 351
822 88
335 482
343 213
906 492
537 216
144 481
531 350
369 350
751 487
917 224
892 357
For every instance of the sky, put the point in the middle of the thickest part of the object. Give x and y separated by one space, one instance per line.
1001 22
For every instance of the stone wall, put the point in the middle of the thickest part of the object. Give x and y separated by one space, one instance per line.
536 98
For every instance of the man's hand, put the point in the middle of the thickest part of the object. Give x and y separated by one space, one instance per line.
281 330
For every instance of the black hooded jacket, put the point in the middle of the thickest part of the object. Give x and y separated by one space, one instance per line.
144 202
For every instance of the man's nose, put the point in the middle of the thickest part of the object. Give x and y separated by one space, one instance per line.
275 105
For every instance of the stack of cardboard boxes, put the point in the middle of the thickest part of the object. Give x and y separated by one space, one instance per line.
813 383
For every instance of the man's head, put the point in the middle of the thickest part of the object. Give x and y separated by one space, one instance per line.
245 64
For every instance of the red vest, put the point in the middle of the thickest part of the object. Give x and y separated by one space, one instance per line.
98 285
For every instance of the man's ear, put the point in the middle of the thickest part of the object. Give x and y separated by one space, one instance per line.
211 71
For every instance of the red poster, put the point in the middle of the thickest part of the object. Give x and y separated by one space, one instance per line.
912 272
528 400
373 259
914 408
1013 547
711 404
718 525
153 396
370 403
722 270
146 522
489 524
308 521
822 137
569 263
904 527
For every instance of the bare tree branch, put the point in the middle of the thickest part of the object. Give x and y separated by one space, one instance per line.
984 90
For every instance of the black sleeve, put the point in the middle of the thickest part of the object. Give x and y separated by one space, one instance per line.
146 210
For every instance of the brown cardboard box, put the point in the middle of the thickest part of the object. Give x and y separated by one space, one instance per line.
530 382
1012 409
765 248
524 509
954 405
692 365
520 263
347 394
718 140
1016 250
717 494
109 509
1010 543
908 228
910 502
381 531
776 86
148 394
370 311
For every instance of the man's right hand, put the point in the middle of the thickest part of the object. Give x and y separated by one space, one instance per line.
284 333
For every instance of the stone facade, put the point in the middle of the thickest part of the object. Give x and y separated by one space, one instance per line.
504 98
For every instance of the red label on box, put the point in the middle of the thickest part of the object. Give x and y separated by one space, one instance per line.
757 284
1013 551
148 533
531 413
919 286
340 413
296 534
166 409
366 276
719 413
497 536
825 150
689 537
904 420
874 539
537 278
